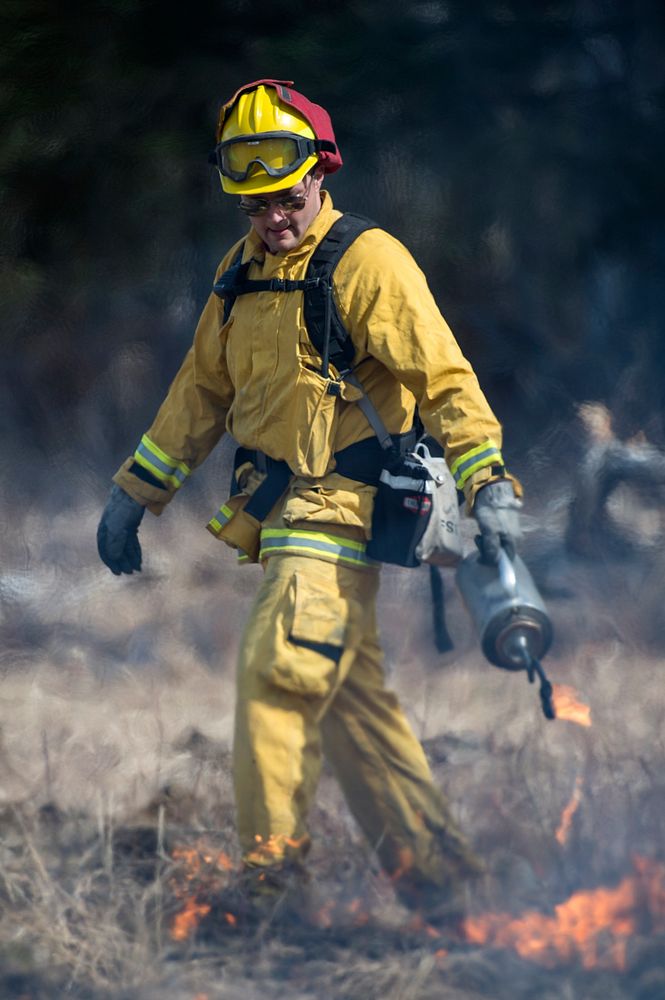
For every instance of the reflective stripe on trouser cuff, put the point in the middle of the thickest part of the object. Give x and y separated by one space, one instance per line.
167 470
471 461
314 543
222 517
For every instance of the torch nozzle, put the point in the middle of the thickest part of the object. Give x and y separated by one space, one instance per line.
520 651
546 692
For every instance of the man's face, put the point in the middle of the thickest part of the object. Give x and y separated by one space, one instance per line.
282 227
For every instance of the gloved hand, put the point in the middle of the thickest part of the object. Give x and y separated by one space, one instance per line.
496 511
117 534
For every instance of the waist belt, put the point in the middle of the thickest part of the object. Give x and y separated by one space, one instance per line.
277 475
361 462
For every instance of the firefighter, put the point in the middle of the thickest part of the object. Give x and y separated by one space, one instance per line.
310 678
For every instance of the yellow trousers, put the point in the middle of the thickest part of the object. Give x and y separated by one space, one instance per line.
310 680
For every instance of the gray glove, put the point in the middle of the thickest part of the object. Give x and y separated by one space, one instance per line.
117 534
496 510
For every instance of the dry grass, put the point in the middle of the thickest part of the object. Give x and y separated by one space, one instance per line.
115 720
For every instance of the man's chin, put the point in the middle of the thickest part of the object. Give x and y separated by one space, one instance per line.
278 242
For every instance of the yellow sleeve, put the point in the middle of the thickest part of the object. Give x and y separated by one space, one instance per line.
192 418
386 304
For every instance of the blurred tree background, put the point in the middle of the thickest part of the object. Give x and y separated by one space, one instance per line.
515 147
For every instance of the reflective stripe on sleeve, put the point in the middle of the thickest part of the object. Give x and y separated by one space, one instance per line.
314 543
471 461
222 517
167 470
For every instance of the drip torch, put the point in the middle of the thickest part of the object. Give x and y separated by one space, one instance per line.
510 617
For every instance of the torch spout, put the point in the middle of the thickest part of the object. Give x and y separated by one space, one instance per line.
546 692
520 651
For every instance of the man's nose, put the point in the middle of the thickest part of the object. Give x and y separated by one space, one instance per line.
275 211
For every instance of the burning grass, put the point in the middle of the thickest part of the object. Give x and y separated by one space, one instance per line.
116 815
592 927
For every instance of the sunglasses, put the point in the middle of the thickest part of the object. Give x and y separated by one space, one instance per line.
288 204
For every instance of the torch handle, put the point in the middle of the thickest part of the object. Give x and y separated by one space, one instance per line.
507 573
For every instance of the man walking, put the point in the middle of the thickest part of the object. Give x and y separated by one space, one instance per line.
310 678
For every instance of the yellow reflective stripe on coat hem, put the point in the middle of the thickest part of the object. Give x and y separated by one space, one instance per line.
166 469
313 543
471 461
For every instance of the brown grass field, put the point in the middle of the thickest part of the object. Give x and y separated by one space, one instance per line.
116 701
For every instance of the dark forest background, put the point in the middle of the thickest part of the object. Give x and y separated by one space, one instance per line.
516 147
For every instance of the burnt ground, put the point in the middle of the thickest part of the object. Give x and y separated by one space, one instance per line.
116 700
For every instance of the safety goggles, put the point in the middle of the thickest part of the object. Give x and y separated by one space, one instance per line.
278 153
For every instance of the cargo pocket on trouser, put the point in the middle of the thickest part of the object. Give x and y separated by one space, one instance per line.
320 624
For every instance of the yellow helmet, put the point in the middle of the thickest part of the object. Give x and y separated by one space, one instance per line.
266 143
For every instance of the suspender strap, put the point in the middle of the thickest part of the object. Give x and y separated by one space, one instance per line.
372 415
324 324
225 285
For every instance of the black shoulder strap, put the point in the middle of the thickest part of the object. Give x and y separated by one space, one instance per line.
234 282
227 283
324 324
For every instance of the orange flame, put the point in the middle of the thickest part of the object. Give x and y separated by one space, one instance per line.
568 707
224 863
334 910
569 811
191 861
272 848
185 923
197 866
592 926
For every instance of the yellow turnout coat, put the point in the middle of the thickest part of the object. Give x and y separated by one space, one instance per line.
256 376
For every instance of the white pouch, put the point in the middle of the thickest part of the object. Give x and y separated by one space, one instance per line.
416 516
441 543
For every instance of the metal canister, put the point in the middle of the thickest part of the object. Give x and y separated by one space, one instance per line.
506 609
